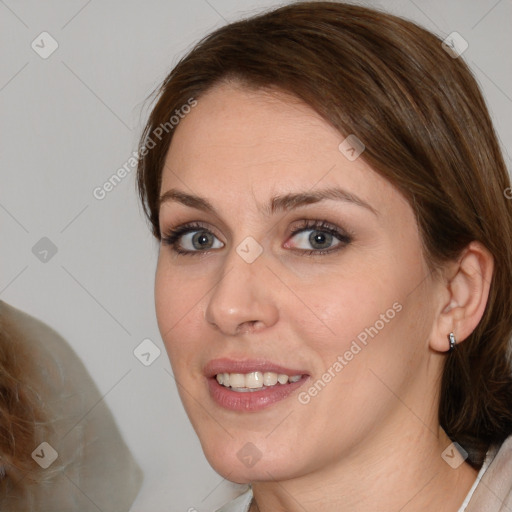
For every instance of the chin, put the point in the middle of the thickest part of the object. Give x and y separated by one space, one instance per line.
248 464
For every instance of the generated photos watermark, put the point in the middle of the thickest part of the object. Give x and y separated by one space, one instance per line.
355 348
101 191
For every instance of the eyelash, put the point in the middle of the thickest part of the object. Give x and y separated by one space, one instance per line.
173 235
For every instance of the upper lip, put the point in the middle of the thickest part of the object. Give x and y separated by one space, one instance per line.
226 365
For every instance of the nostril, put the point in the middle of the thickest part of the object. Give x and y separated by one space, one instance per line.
249 326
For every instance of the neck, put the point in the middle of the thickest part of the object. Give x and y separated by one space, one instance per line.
405 472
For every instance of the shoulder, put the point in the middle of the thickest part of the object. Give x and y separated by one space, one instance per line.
27 329
239 504
494 491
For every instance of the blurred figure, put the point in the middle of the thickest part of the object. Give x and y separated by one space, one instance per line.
47 396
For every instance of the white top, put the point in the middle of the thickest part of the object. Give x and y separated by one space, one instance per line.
243 502
240 504
484 467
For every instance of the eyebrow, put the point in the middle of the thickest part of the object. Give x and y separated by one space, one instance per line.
276 204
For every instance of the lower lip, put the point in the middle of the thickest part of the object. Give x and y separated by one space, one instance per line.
251 400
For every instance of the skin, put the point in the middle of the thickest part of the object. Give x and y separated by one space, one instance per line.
370 439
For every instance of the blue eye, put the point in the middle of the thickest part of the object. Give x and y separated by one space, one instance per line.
321 236
200 240
191 239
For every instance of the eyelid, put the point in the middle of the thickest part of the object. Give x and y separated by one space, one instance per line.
323 225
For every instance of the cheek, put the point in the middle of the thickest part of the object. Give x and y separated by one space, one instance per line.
346 304
177 305
165 299
365 315
177 295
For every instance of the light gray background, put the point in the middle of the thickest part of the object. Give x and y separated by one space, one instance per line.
68 123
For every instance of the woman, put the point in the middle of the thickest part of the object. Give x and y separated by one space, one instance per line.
334 277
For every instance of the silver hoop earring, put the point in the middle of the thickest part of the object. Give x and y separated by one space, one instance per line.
453 341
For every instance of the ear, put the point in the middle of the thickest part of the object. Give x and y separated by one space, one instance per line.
464 291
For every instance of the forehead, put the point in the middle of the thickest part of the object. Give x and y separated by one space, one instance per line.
238 123
238 139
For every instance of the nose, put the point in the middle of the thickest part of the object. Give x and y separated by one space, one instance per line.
242 300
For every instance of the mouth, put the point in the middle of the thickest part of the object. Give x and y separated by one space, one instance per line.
251 385
254 381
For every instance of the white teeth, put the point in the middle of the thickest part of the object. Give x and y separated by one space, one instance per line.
237 380
282 378
254 380
270 379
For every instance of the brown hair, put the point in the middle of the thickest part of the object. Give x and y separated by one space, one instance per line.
426 129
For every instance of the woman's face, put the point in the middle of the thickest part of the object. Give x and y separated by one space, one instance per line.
300 261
